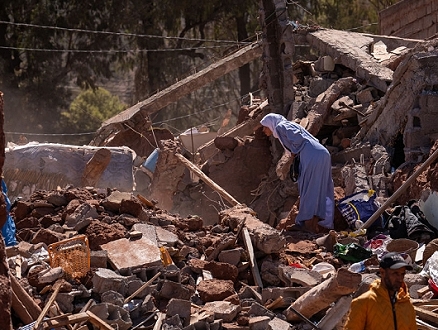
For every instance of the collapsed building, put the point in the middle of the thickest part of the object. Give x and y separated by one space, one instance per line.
202 240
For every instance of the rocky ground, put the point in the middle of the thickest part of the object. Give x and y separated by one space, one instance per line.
237 274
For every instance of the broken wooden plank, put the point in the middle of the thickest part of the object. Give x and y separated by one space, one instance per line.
254 269
426 315
277 303
321 109
83 309
98 322
21 310
192 167
66 319
336 313
57 287
24 298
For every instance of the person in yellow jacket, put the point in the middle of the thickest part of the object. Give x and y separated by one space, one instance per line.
386 305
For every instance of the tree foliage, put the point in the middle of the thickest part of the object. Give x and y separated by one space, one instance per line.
89 109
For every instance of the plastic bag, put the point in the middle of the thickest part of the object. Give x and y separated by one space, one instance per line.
8 229
351 252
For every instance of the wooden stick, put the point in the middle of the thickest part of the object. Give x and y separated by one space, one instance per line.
98 322
400 190
57 287
83 309
230 199
142 287
65 320
20 309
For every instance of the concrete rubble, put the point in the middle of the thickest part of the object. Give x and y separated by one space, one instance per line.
208 243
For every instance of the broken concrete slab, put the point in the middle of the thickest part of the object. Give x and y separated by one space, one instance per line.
350 50
124 254
292 276
222 310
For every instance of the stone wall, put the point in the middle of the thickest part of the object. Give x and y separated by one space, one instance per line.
410 19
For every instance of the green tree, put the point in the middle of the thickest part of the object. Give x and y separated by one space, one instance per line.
88 110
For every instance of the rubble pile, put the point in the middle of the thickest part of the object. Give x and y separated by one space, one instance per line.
152 269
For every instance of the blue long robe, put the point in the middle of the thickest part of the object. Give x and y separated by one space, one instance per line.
315 181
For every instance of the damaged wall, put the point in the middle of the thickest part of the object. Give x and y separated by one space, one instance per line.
410 19
409 106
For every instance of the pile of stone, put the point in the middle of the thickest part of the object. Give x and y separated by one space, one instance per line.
149 269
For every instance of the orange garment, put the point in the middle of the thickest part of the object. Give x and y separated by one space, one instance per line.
373 310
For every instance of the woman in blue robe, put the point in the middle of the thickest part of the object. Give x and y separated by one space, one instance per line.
315 183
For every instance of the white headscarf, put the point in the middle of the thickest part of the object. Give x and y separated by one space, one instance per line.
271 121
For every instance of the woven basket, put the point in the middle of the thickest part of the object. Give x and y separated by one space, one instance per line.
403 245
429 249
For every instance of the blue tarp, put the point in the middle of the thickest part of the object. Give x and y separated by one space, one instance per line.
8 230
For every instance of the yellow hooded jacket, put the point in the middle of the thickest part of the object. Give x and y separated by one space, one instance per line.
373 310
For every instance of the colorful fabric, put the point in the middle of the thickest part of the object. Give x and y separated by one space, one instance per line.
373 310
315 181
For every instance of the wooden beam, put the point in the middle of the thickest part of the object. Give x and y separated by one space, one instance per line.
426 315
252 258
400 190
21 309
192 167
24 299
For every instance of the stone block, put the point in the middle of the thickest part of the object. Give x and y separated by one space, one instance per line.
133 286
114 315
259 322
365 96
231 256
278 324
166 237
258 310
291 276
173 322
290 293
324 64
112 297
170 290
98 259
223 310
180 307
105 280
147 230
65 301
82 212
